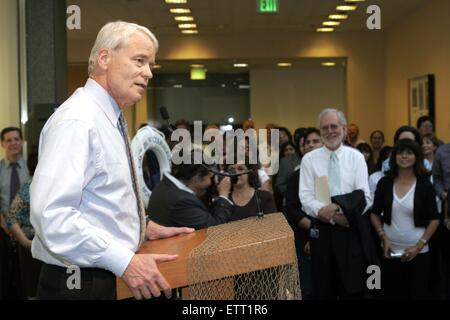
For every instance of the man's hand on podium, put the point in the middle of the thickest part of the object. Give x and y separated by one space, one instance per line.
143 277
156 231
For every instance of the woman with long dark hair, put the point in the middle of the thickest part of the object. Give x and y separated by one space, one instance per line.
248 199
405 216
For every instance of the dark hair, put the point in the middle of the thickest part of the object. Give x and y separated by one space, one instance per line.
284 146
253 176
432 138
377 131
286 130
407 145
407 129
309 131
186 172
298 134
423 119
10 129
364 147
384 154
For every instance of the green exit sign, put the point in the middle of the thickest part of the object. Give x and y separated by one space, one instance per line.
267 6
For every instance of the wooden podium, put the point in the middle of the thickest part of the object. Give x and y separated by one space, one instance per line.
176 272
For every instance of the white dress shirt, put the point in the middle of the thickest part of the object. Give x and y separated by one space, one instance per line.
83 206
353 175
402 233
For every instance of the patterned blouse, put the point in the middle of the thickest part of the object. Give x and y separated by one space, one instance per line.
20 211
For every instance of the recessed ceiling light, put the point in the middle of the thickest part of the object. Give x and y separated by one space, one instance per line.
156 66
331 23
183 18
328 64
180 10
176 1
284 64
325 29
197 65
346 8
187 26
338 16
240 65
189 31
178 86
230 120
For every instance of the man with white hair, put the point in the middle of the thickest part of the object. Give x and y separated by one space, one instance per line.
85 201
337 271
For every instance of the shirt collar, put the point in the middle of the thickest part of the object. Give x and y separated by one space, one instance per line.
104 100
338 151
180 185
20 163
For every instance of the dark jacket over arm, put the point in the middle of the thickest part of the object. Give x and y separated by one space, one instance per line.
172 207
353 205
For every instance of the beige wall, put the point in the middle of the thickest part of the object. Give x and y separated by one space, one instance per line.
415 46
9 66
293 97
365 63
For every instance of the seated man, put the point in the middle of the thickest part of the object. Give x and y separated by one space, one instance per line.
175 200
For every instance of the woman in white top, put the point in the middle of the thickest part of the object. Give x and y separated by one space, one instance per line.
405 217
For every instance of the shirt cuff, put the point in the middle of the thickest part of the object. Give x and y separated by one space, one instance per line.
229 201
116 258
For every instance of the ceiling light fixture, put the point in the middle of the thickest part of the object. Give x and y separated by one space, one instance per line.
183 18
240 65
346 8
284 64
327 29
189 31
180 10
187 26
331 23
176 1
338 16
328 64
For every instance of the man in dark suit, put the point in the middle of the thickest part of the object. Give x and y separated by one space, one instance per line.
175 201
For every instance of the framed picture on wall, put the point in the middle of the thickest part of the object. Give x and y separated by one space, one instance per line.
421 98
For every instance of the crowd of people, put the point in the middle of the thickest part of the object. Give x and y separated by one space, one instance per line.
394 197
351 204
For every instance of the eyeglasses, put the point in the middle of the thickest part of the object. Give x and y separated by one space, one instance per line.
330 127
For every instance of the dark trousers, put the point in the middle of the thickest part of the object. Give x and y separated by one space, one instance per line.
30 269
332 271
9 269
406 280
4 268
95 284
